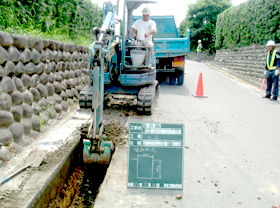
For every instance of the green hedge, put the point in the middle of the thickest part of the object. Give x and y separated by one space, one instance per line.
252 22
70 20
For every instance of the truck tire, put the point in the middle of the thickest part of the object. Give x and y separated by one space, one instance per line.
161 78
181 78
172 80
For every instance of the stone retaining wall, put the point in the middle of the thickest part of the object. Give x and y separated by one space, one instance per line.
247 61
38 80
204 56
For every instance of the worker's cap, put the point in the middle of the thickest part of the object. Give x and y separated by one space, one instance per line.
146 10
199 41
270 43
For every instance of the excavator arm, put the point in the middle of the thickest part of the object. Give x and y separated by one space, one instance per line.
96 149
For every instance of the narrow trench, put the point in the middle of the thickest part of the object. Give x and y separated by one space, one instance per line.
83 182
94 176
81 188
82 185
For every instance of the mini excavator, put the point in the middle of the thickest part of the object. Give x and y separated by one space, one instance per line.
119 65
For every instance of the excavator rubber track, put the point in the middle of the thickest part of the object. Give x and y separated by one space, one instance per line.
147 98
85 97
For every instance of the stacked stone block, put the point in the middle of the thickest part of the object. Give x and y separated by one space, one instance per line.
248 61
38 79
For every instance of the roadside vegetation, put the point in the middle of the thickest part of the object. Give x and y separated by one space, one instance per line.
219 24
201 18
68 21
253 22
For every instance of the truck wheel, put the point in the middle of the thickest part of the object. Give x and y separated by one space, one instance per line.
172 80
181 78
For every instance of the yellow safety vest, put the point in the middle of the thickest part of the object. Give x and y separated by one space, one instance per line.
270 66
198 49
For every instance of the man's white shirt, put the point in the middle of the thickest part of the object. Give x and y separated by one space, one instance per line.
143 27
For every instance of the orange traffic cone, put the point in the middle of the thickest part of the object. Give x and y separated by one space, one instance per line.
199 90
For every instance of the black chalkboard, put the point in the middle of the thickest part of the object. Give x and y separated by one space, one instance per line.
155 155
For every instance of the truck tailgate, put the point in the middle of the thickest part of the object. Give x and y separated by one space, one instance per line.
170 47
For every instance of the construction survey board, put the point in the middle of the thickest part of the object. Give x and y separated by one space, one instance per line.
155 155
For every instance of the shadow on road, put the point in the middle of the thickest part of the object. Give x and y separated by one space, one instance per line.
166 88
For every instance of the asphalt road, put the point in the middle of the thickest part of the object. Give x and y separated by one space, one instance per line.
232 147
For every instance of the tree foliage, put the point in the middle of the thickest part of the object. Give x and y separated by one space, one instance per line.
201 19
71 19
254 21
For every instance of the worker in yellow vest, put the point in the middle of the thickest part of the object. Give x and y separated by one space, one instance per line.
198 50
272 68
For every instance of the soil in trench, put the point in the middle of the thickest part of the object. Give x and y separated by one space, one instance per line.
83 185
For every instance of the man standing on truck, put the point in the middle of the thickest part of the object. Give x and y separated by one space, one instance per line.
145 29
272 68
198 50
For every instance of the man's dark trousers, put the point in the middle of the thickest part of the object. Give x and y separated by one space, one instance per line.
272 79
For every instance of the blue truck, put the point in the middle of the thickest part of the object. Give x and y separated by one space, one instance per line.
170 49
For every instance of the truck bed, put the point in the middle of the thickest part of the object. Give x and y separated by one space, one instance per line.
171 47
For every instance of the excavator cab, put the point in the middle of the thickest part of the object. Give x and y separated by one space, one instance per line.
131 71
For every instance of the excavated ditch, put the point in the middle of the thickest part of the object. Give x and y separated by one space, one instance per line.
83 181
